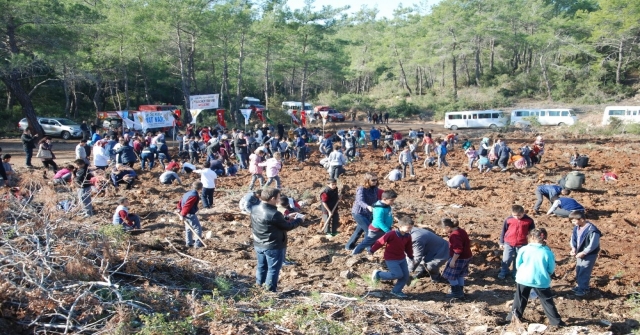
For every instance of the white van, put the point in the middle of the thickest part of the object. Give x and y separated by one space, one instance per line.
475 119
628 114
297 105
546 117
247 102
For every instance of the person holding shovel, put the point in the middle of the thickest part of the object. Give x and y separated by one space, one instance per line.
330 197
188 207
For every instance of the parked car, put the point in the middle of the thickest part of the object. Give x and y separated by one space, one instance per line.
56 126
335 116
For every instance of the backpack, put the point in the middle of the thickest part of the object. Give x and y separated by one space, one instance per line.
483 152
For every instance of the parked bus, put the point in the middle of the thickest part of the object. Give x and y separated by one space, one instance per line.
248 102
297 105
546 117
475 119
628 114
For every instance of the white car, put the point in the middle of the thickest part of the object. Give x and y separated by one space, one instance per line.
56 126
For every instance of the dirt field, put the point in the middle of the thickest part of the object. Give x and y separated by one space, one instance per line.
611 206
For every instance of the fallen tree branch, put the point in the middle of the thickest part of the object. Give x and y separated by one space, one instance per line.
185 255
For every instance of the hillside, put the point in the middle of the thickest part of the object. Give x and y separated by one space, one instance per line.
63 274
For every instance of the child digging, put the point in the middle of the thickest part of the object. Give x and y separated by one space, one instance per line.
398 247
457 268
330 197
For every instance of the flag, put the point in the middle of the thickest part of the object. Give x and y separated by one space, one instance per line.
303 118
269 121
260 115
294 118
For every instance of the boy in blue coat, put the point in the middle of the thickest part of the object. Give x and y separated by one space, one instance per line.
535 262
381 223
585 246
549 192
441 152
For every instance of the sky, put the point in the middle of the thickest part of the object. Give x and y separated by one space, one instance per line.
385 7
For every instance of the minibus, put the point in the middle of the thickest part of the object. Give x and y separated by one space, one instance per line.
475 119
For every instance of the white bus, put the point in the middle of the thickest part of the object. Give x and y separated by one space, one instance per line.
297 105
628 114
247 102
475 119
546 117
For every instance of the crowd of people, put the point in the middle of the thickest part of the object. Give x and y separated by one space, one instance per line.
410 252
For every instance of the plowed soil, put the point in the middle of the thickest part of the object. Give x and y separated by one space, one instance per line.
613 207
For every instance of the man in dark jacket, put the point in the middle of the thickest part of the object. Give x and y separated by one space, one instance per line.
188 207
28 146
83 181
240 145
86 135
269 230
430 252
126 154
280 130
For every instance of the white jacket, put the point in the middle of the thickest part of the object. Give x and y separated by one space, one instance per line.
100 158
336 158
81 153
207 177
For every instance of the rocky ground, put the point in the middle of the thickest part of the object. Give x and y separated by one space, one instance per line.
329 292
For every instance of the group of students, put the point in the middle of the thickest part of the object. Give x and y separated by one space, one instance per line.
409 252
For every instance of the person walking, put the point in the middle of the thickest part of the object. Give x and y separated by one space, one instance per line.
362 210
83 181
188 207
27 144
535 263
269 230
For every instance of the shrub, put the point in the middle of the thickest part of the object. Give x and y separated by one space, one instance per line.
157 324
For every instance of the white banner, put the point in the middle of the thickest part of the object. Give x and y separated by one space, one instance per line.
194 114
159 119
208 101
128 123
324 117
247 114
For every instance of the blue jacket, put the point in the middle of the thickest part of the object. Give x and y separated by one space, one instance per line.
108 148
300 142
327 143
382 217
127 155
503 151
374 134
441 150
364 197
95 138
535 263
550 191
590 242
570 204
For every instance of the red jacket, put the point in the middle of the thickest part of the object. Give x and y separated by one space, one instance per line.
397 136
515 231
459 243
396 246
